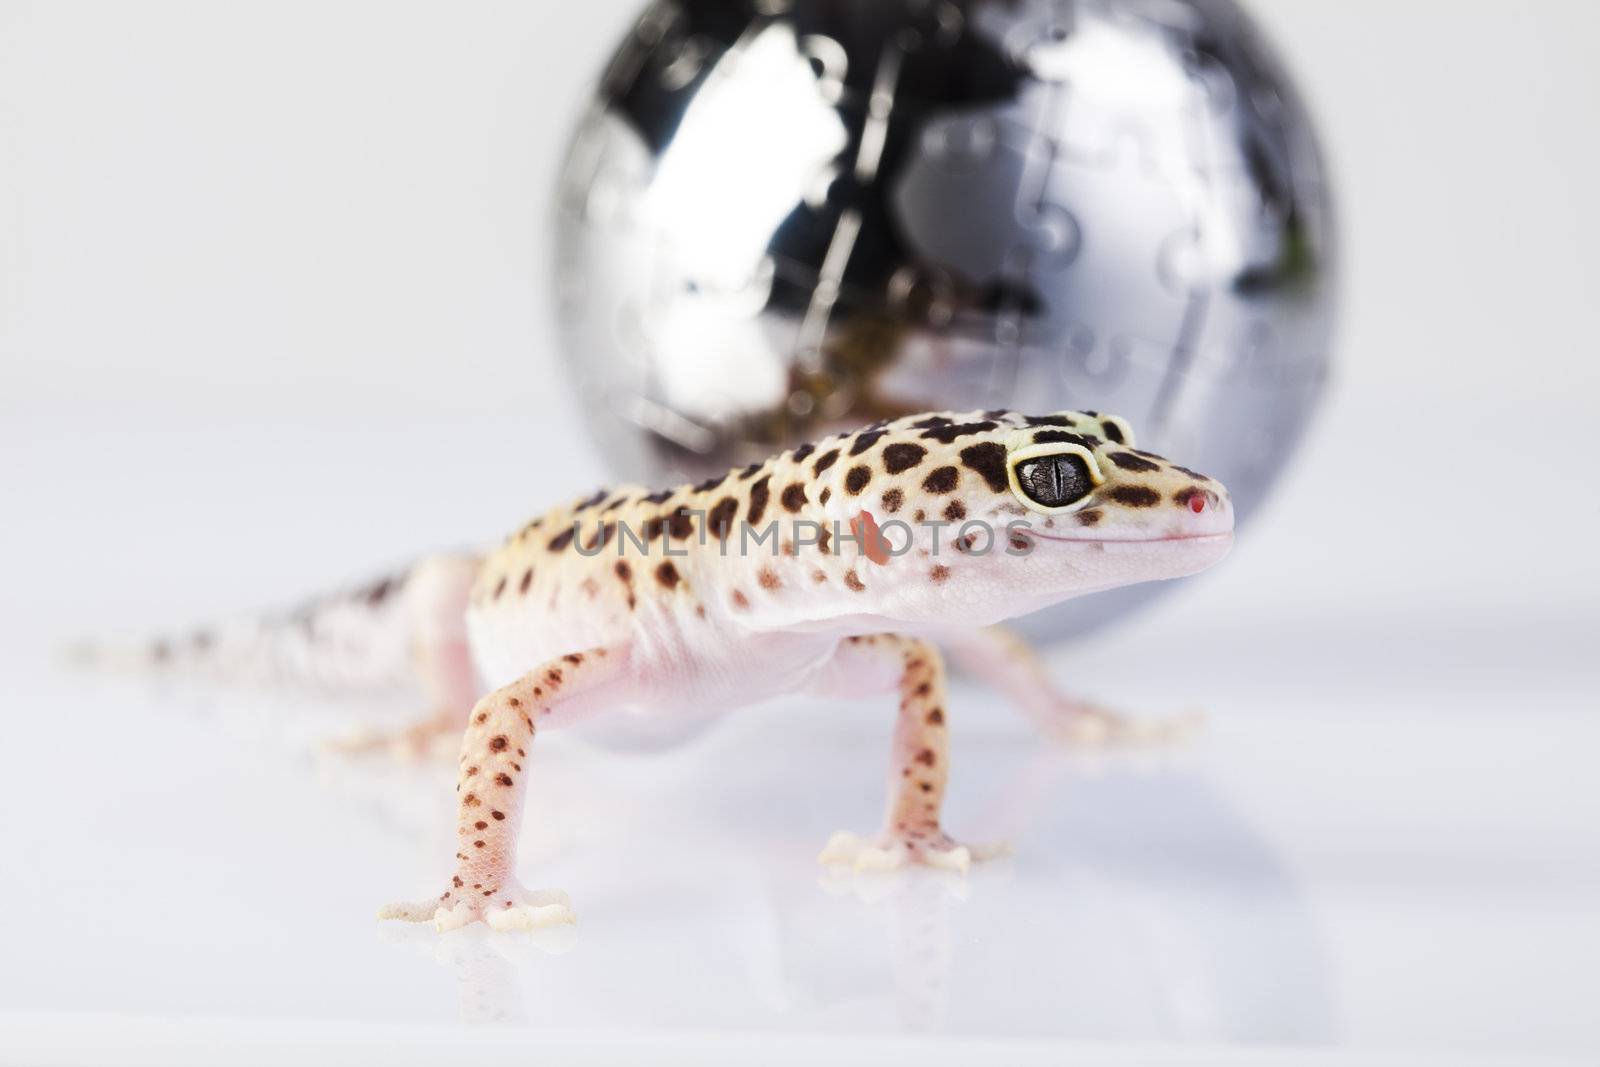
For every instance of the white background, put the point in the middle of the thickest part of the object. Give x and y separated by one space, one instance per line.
272 315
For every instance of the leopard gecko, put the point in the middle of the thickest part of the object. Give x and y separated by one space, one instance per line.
835 568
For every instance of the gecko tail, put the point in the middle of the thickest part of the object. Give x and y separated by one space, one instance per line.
358 640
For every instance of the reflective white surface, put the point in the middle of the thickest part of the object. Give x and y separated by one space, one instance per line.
1387 840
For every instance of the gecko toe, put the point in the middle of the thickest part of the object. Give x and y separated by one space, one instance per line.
411 912
529 916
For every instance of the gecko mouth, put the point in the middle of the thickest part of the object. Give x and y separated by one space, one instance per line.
1193 539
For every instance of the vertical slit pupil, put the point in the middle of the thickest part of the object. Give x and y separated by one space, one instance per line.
1054 481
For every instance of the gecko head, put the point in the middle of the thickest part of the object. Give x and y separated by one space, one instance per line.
1033 509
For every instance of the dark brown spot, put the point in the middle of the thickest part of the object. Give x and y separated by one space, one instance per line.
470 800
1112 432
598 539
623 571
561 540
892 500
853 583
482 717
480 825
1130 462
955 511
499 743
659 496
856 479
826 493
478 844
740 601
499 587
768 578
667 575
818 577
793 497
503 778
947 434
1048 420
527 580
925 757
760 493
1089 516
930 422
803 451
864 441
902 457
710 483
680 524
497 815
749 471
653 527
989 460
573 658
1062 437
939 572
719 520
941 480
1196 475
1136 496
824 461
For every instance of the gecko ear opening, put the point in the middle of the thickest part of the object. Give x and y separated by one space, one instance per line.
1053 478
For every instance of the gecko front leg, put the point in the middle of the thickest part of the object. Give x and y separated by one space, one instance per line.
492 785
919 757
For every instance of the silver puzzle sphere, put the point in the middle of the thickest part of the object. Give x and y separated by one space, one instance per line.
781 218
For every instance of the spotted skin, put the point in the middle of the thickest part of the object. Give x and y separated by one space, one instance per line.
834 567
839 566
919 763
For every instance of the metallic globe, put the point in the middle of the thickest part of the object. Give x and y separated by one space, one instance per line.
780 218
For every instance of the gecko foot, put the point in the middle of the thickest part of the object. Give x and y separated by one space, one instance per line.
409 744
1091 726
895 849
506 907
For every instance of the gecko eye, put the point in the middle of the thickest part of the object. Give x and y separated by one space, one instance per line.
1053 477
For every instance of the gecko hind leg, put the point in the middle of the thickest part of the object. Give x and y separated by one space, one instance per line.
999 657
491 786
919 762
437 592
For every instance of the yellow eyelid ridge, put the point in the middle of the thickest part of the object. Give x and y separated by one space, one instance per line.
1054 448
